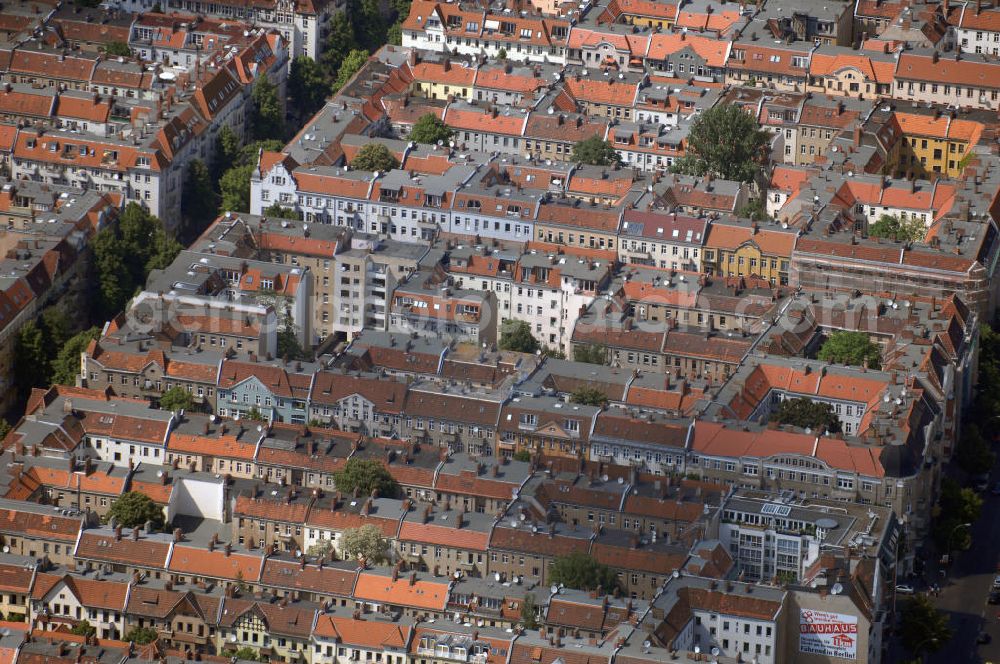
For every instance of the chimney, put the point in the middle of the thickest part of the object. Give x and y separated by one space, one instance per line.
413 579
935 57
228 549
178 535
118 533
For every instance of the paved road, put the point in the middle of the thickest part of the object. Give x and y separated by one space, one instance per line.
966 589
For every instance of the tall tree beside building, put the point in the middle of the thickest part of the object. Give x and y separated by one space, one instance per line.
595 151
307 86
727 142
198 203
66 363
350 66
268 116
374 157
429 129
31 358
234 185
339 42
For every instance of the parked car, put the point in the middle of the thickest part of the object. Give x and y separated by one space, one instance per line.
996 489
905 589
994 597
982 482
983 638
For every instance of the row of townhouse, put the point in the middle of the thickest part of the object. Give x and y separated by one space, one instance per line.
105 139
45 235
815 63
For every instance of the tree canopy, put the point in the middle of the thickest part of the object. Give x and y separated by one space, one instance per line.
83 628
307 86
125 253
366 475
806 413
924 629
349 66
892 227
591 354
596 151
367 542
133 509
851 348
582 572
234 185
374 157
268 112
275 210
956 506
529 612
516 335
141 635
727 142
30 358
429 129
199 202
175 399
66 363
590 396
118 48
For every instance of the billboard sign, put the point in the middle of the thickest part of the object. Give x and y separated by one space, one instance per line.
828 634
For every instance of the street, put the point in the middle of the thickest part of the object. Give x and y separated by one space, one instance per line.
964 594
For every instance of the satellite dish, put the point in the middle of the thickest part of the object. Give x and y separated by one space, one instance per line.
457 574
554 589
260 427
236 417
496 576
232 639
697 650
211 418
715 651
836 589
6 549
646 643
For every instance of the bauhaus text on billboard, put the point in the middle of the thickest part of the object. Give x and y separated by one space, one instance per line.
828 634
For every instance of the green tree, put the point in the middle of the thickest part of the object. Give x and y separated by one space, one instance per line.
589 396
83 628
66 364
923 629
227 150
141 635
175 399
502 54
31 358
852 348
727 142
366 541
198 203
366 475
429 129
234 185
516 335
275 210
268 115
339 42
900 230
374 157
394 35
523 456
754 210
254 415
114 281
591 354
248 654
956 506
133 509
369 23
595 150
320 549
806 413
288 344
307 85
554 353
349 66
529 612
973 453
118 48
57 326
582 572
